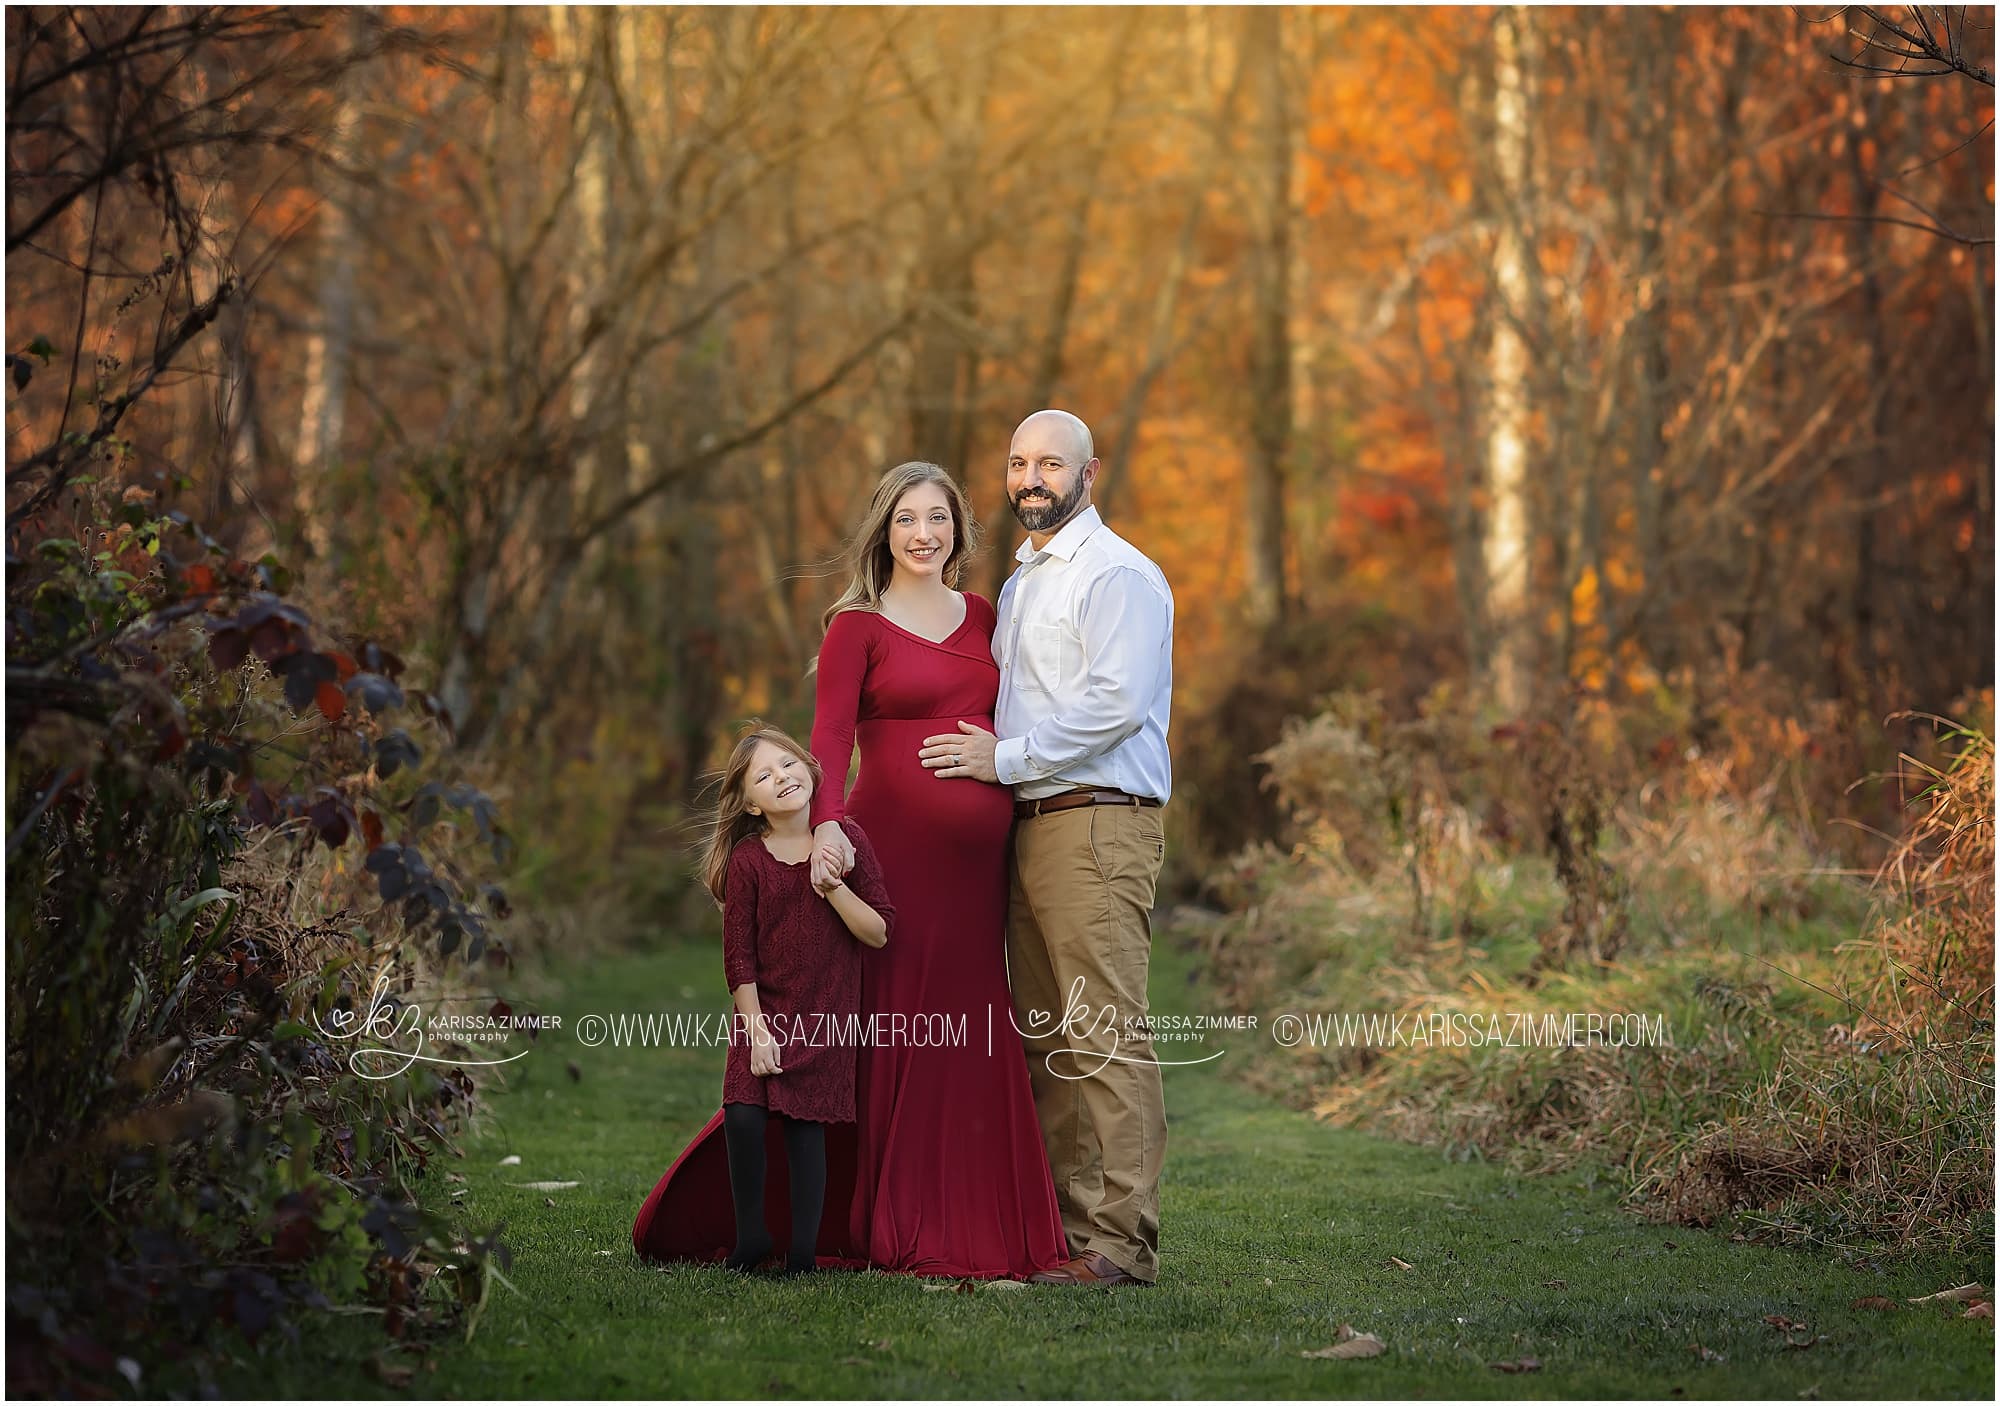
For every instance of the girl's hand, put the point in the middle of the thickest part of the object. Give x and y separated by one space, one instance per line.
829 834
828 867
763 1051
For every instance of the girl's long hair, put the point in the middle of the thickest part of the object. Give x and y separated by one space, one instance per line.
733 821
867 560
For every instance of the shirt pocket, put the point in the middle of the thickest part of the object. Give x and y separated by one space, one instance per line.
1043 662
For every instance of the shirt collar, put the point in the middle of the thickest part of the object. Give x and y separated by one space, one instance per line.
1064 544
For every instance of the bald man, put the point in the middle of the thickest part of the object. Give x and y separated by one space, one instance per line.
1084 641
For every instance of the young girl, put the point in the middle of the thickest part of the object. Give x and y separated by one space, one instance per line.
790 955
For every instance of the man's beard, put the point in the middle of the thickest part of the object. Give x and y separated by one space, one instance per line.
1042 516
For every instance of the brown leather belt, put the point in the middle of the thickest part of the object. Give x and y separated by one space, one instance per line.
1070 800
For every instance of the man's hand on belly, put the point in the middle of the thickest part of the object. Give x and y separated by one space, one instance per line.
967 752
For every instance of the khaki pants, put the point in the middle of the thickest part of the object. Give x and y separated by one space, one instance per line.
1079 909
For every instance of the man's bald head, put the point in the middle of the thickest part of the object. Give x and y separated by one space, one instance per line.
1082 450
1049 468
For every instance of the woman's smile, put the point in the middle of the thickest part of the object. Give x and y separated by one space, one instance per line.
921 531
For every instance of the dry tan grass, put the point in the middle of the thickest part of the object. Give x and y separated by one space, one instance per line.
1932 955
1834 1090
1713 847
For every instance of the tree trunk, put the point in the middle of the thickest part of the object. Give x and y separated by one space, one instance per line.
1118 446
1649 192
585 40
462 679
323 400
1505 544
947 283
1270 320
1865 576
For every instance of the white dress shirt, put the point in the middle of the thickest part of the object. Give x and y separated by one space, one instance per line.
1085 645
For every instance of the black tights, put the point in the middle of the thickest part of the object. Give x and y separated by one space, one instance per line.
805 1149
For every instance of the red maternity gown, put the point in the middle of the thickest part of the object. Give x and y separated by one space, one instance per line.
944 1169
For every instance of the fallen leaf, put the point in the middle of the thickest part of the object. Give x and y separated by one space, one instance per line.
512 1159
1555 1283
1797 1334
1400 1264
1979 1308
389 1373
1706 1354
1876 1301
1003 1284
544 1185
1519 1364
1962 1294
1349 1344
549 1201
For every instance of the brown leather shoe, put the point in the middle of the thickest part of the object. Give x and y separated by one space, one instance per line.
1088 1268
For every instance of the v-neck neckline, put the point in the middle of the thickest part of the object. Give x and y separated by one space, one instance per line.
964 620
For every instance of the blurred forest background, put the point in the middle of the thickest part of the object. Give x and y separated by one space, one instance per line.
1568 432
1639 348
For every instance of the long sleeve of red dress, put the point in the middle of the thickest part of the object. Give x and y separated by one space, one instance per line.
739 917
843 664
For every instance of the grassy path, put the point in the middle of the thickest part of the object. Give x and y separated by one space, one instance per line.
1274 1232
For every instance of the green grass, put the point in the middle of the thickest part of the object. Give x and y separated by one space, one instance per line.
1275 1231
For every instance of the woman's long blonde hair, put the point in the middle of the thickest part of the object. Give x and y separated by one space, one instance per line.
869 565
733 821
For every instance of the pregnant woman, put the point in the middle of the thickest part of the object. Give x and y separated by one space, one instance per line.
952 1177
946 1165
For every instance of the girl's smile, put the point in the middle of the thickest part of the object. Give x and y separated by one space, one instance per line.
777 785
